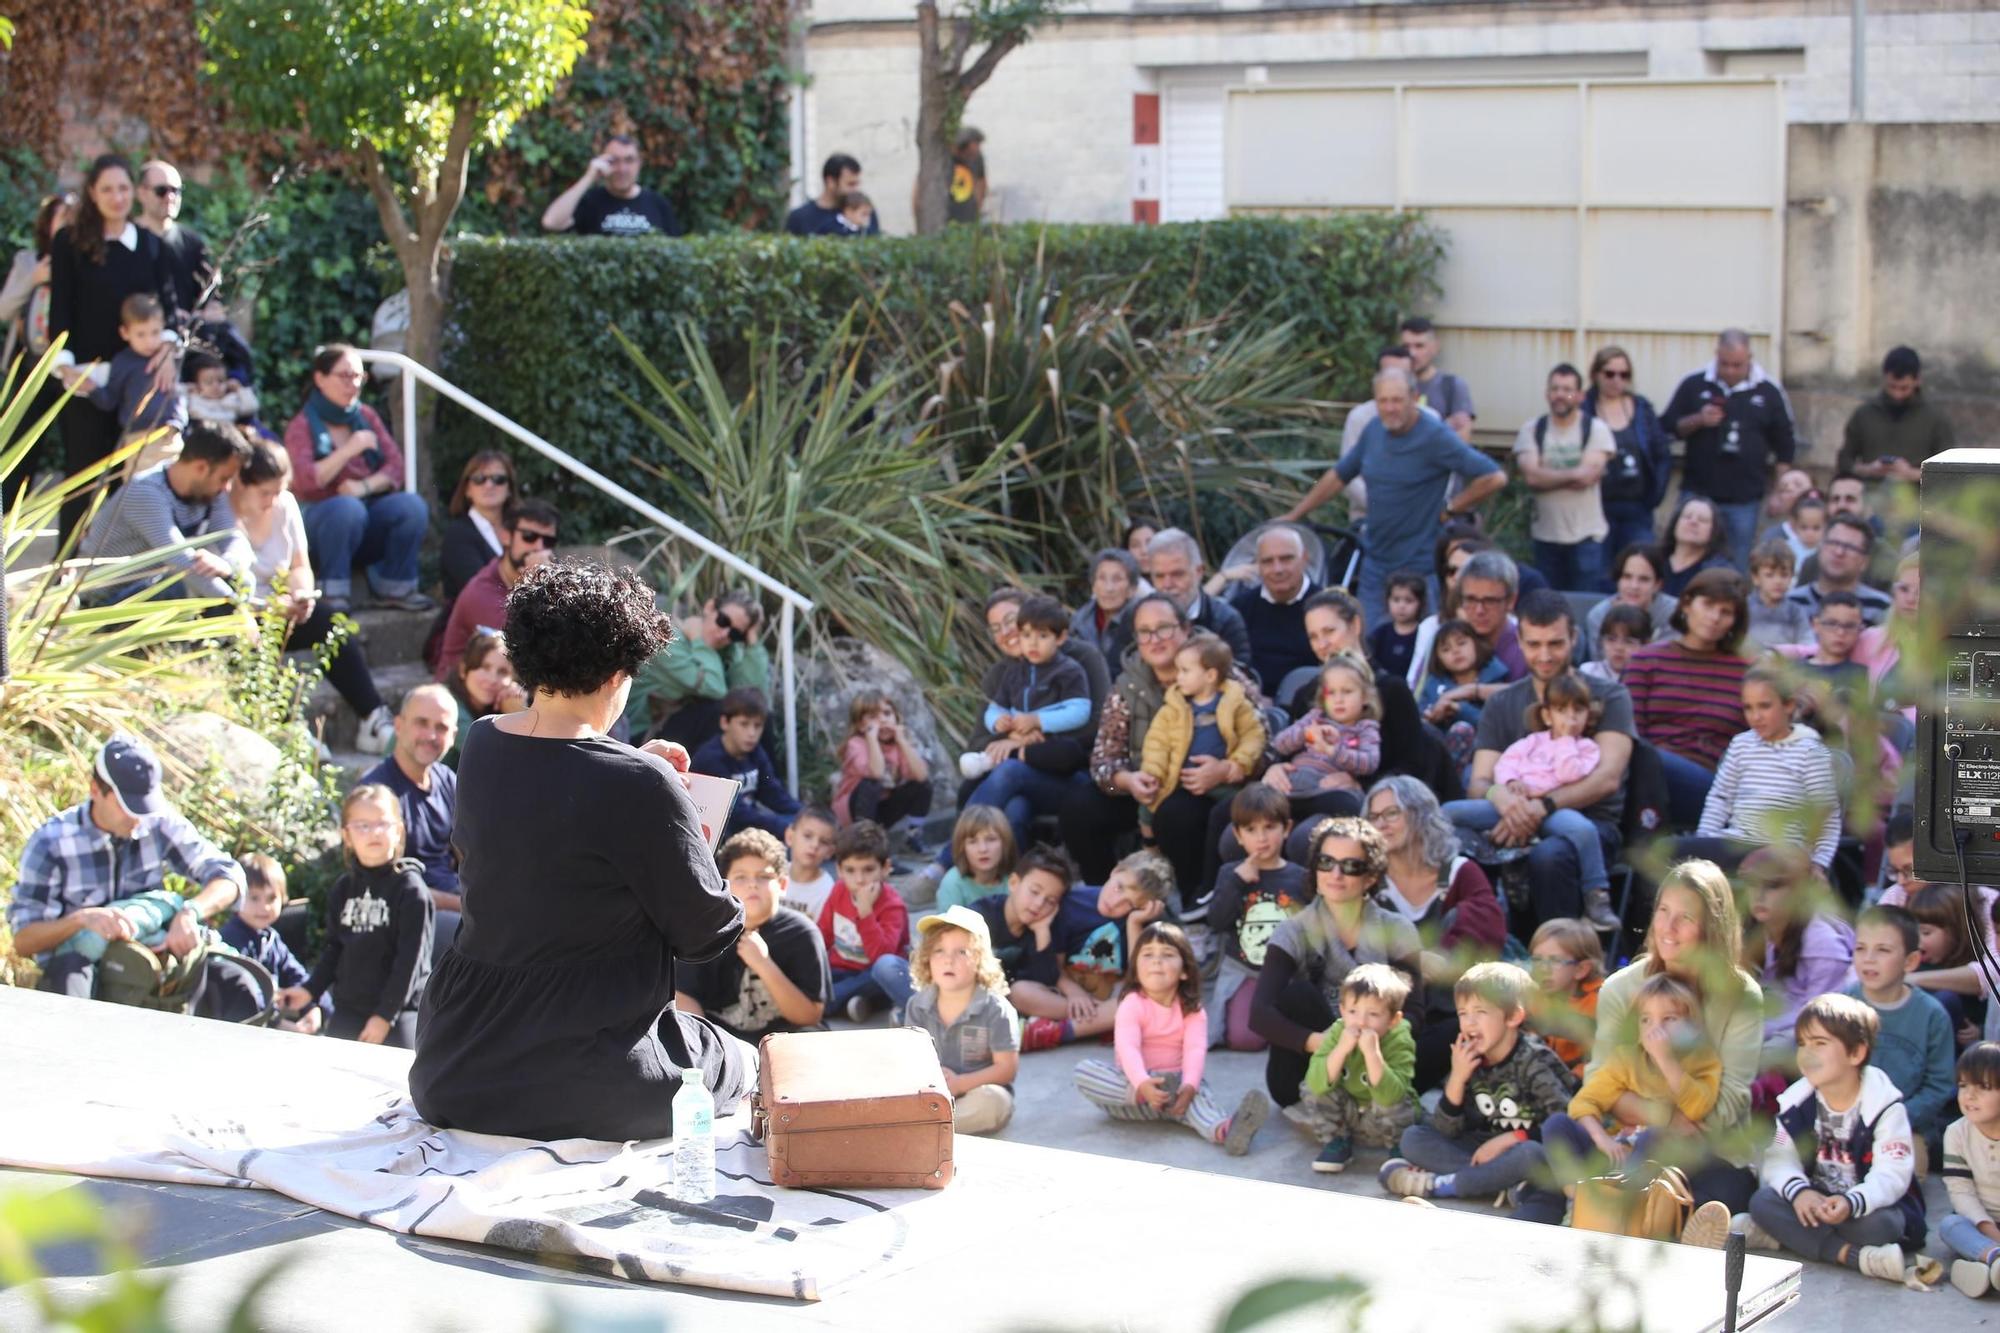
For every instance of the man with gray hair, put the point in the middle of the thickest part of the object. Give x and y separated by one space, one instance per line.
1274 608
1738 426
1408 459
1177 572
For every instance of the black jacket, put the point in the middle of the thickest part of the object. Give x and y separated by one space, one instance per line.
378 941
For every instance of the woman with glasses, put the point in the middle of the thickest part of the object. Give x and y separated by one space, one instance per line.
1311 953
348 473
1636 481
1446 896
97 261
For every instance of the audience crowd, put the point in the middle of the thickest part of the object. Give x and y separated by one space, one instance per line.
1391 837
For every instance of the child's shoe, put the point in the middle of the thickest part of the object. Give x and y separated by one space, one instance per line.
1399 1176
1883 1261
1334 1156
1597 910
1974 1278
1754 1236
974 764
1041 1034
859 1008
1250 1115
1708 1227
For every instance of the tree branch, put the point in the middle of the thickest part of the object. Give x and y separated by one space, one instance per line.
982 68
961 42
438 210
395 222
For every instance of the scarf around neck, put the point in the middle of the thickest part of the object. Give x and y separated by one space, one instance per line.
321 410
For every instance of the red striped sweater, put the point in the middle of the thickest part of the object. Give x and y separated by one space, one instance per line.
1685 701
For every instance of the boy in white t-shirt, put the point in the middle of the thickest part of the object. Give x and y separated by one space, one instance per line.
810 842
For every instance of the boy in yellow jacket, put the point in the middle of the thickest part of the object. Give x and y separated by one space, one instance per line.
1206 713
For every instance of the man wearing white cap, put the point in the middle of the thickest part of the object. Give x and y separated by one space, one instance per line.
959 1003
121 842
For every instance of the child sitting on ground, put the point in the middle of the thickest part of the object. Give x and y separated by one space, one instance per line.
959 1003
1483 1138
1670 1068
1393 643
210 395
1839 1182
982 857
737 751
883 775
1972 1173
809 841
1774 618
1460 663
377 953
1567 960
1359 1087
1775 785
1094 934
1625 630
1913 1044
253 932
1206 714
1556 752
866 926
1041 695
1946 946
1162 1044
125 387
1339 743
776 978
1796 947
1253 897
1020 924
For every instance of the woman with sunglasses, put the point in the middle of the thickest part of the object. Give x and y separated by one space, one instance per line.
96 262
348 473
1311 953
472 536
1636 481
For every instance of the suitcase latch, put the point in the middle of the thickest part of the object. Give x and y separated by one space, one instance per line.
759 1117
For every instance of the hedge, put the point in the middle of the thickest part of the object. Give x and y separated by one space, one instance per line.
532 318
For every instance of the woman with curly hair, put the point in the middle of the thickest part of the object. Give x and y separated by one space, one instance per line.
584 875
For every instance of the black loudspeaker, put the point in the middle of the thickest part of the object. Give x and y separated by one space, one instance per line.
1957 751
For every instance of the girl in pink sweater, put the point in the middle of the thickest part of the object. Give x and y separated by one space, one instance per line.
1161 1040
1561 751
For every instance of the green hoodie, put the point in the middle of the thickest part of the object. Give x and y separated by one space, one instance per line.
1399 1066
689 669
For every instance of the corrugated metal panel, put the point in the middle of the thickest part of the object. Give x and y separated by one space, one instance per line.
1313 148
1192 114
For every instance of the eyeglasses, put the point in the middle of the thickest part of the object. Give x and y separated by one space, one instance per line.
533 538
489 479
1467 599
745 881
351 376
165 191
1609 374
1351 866
1159 635
1540 964
1388 816
370 827
1852 548
998 627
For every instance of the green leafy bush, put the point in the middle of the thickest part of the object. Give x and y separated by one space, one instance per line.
533 317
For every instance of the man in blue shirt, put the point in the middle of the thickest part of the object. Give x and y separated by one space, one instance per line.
427 791
1408 460
820 215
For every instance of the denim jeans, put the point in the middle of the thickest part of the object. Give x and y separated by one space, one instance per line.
1021 792
886 979
1572 826
1740 522
1822 1242
1967 1241
1372 591
1631 525
1525 1164
1687 789
1572 566
382 533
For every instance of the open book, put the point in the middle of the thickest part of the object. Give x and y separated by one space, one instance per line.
713 799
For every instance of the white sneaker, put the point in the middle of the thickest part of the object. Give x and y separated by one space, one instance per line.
858 1009
974 764
1883 1261
1972 1277
377 734
1754 1236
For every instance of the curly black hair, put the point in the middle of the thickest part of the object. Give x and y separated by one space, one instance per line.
572 624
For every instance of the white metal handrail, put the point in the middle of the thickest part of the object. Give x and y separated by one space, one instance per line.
793 602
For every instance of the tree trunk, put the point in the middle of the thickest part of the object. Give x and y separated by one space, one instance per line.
934 88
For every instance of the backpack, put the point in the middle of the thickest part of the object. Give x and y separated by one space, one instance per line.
1654 1210
210 981
1628 476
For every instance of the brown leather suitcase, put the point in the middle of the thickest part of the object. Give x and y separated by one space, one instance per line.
853 1109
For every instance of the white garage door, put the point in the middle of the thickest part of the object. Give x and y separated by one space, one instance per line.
1192 109
1579 213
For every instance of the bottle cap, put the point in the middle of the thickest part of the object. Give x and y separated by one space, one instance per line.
691 1076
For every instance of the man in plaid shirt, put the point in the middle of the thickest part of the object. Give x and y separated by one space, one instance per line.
119 843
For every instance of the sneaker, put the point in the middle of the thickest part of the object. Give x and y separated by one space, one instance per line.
1398 1176
1754 1236
1883 1261
858 1008
336 603
1334 1156
974 764
378 732
1250 1115
1041 1034
413 600
1597 910
1708 1227
1972 1277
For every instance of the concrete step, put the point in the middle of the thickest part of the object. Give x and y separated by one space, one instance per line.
391 637
327 709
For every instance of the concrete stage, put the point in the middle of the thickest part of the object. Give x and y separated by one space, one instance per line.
1118 1243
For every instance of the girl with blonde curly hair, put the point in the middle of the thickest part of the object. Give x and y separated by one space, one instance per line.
959 1001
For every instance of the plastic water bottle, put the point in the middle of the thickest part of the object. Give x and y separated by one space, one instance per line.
694 1140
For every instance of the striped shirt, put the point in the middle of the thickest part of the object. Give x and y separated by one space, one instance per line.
1687 702
70 863
1776 792
146 516
1972 1172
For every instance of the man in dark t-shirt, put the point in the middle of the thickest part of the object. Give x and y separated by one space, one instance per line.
776 978
820 215
195 277
427 791
968 177
607 200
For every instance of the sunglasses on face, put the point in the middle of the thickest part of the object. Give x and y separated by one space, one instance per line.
1351 866
533 538
165 191
1608 374
488 479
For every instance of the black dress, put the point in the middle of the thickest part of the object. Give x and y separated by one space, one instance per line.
584 875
